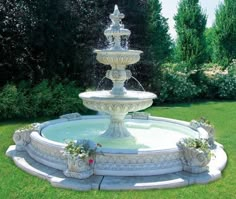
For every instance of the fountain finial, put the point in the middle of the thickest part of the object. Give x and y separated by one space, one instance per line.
116 17
116 31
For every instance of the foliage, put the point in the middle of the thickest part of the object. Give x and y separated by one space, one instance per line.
190 27
225 33
209 35
177 87
158 36
44 99
159 41
49 38
81 149
15 58
195 143
9 104
227 86
204 121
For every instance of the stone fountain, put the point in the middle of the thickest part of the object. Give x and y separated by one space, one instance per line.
119 101
138 151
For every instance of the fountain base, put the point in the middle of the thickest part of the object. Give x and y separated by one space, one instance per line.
114 168
117 128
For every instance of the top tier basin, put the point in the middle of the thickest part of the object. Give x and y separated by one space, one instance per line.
118 58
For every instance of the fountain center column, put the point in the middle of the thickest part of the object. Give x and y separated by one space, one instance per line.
118 76
117 127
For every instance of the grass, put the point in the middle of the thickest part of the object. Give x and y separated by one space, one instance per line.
15 183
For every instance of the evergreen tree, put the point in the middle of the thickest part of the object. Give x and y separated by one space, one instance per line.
225 33
159 41
158 36
210 39
190 23
49 38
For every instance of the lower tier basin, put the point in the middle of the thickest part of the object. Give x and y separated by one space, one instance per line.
150 152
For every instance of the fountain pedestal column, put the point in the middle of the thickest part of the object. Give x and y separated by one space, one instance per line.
117 127
118 76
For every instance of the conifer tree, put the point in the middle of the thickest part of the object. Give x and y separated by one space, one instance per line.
190 23
225 33
158 39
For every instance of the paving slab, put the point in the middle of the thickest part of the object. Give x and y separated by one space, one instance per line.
142 182
71 183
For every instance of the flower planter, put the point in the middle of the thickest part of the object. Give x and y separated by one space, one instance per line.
78 168
195 160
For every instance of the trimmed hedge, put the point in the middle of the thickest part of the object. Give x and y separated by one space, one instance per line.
45 99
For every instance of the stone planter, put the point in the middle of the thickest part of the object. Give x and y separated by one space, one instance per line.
195 160
22 138
78 168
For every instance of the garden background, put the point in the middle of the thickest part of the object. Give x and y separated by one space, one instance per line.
46 53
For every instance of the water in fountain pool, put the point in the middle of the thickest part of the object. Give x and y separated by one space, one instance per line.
145 134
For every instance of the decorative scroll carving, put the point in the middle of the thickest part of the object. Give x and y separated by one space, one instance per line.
114 107
118 58
137 162
78 168
21 136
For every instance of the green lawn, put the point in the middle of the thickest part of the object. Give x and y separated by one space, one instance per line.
15 183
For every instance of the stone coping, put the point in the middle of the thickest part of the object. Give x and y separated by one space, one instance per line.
98 182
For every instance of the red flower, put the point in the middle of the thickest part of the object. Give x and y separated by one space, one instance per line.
90 161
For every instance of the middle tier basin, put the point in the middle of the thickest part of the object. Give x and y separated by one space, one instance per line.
104 101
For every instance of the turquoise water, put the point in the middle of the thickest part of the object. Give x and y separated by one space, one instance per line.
147 134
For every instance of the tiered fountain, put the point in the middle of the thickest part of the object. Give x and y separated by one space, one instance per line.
138 151
119 101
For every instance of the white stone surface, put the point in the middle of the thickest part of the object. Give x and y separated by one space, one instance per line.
147 182
178 179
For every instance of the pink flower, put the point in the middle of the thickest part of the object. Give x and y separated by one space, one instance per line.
90 161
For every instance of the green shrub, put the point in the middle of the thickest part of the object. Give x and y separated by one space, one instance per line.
208 86
227 86
44 99
177 87
8 101
66 99
41 99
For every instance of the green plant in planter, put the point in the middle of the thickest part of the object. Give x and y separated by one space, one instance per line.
196 143
82 149
209 128
196 154
80 158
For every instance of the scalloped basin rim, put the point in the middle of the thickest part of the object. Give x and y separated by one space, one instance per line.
106 95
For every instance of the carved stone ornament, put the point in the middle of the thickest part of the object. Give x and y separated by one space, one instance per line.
78 168
21 136
195 160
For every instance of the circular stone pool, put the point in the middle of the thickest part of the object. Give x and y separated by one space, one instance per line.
146 134
150 157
